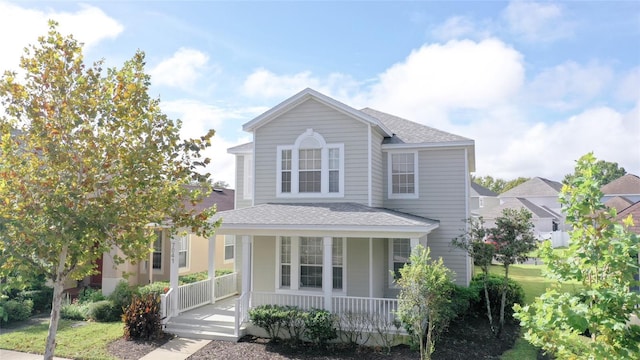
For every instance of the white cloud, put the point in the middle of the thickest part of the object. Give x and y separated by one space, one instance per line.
629 87
570 84
537 22
181 70
458 74
459 27
21 26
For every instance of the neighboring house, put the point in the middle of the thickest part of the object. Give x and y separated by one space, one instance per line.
331 200
481 197
626 186
192 253
540 196
619 203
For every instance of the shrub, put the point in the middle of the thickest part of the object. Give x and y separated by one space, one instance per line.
156 288
271 318
294 320
89 295
74 311
320 326
16 310
122 295
515 295
103 311
142 318
41 298
191 278
462 299
222 272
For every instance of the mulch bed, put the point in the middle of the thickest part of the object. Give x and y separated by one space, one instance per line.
469 339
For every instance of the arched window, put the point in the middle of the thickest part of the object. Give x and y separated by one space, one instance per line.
310 167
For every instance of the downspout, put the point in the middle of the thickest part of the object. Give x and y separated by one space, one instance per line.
369 166
253 155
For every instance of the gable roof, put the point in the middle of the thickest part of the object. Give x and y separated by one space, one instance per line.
619 203
479 190
633 210
223 199
409 132
534 187
246 148
305 95
322 217
517 204
624 185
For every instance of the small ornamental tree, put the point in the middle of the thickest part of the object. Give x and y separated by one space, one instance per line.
513 239
425 289
473 242
87 162
591 322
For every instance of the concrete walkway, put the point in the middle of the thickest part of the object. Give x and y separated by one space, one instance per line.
174 349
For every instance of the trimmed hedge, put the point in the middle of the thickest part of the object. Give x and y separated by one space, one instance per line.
515 294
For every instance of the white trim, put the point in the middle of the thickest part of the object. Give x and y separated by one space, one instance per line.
295 171
187 266
321 230
253 150
390 261
369 168
224 248
247 176
416 176
451 144
370 267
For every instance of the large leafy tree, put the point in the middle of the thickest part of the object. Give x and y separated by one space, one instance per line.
425 291
604 171
87 162
591 322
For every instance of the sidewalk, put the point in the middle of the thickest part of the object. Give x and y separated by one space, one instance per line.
174 349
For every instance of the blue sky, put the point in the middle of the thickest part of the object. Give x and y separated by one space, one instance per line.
535 84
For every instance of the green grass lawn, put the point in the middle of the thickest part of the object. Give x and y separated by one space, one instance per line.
75 339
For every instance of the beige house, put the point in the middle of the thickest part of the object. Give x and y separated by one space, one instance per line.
193 253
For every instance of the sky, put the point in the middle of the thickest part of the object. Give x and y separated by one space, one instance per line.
535 84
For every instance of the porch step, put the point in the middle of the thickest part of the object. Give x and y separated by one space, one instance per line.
203 329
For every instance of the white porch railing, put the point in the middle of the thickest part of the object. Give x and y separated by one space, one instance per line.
226 285
380 307
241 313
190 296
165 306
304 302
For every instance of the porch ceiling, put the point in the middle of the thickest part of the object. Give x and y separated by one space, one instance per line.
323 219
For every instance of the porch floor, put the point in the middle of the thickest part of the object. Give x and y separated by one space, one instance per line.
211 321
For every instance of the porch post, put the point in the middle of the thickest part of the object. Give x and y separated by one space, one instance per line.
211 270
246 268
414 242
370 267
173 277
327 272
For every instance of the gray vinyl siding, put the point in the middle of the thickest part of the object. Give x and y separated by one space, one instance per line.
240 201
335 127
442 196
376 169
358 267
264 262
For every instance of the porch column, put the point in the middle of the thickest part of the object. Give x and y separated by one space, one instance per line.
173 277
370 268
246 264
414 242
327 272
211 270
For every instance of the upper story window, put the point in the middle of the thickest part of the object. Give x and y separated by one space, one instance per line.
310 167
403 175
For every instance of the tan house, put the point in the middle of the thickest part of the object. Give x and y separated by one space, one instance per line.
193 253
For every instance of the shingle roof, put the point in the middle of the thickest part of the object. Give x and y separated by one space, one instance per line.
224 199
618 203
534 187
321 214
517 204
409 132
633 210
479 190
624 185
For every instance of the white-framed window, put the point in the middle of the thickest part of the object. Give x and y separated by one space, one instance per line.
247 183
300 262
310 167
229 248
402 175
400 250
183 251
481 202
157 250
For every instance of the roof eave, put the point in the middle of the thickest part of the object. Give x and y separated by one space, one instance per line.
324 230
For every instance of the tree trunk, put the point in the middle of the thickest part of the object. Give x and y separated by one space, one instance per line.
505 284
56 304
487 301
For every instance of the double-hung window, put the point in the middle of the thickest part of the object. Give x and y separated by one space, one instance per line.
300 262
229 248
403 174
310 167
157 251
183 251
400 250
